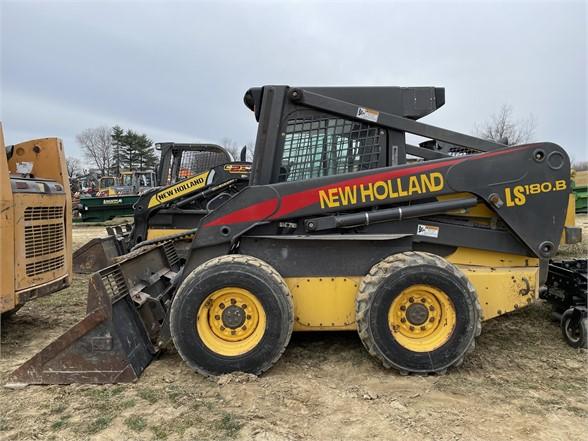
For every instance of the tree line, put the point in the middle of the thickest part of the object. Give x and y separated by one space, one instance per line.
114 149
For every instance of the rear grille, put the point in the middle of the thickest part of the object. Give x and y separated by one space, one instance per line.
45 239
43 213
45 266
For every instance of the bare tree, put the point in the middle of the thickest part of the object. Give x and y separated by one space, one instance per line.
97 146
250 151
503 128
232 147
579 165
74 166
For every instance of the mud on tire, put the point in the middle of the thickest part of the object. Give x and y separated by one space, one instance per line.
388 280
244 273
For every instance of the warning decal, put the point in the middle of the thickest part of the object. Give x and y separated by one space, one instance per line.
427 230
368 114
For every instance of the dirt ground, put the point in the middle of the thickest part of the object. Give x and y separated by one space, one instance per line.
521 383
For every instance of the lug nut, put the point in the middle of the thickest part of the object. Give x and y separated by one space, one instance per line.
431 308
423 300
411 328
233 332
233 301
432 319
248 317
217 317
411 300
403 308
423 328
221 306
244 328
402 320
222 328
244 306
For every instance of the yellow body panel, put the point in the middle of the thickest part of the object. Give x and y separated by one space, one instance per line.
35 226
178 190
323 302
501 290
503 283
156 233
471 256
570 220
7 297
480 210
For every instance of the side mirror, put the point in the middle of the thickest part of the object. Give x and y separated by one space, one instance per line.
244 154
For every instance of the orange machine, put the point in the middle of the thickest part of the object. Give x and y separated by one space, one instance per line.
35 221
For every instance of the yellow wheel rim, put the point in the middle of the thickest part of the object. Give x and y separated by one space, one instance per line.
231 321
422 318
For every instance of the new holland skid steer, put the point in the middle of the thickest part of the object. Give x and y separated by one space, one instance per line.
343 226
192 180
35 221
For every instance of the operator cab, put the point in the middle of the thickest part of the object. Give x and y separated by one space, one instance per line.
296 142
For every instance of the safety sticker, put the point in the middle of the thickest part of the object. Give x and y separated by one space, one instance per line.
368 114
427 230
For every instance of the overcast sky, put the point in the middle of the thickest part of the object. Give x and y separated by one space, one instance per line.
178 71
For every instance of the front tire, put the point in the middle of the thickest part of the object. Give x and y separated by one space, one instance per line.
418 313
233 313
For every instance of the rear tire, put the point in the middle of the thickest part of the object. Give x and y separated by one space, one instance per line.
418 313
232 313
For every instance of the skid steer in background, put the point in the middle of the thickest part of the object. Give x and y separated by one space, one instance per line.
35 221
192 179
335 231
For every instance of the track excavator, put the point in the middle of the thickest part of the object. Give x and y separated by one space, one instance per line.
343 225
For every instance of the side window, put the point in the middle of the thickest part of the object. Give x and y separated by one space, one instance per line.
324 146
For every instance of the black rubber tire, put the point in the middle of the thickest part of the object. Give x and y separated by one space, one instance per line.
574 328
232 270
385 281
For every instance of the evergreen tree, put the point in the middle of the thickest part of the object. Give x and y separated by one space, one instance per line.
117 143
145 153
135 150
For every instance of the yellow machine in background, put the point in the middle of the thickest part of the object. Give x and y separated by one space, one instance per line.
105 183
35 221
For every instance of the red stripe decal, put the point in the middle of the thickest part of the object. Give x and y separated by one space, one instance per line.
294 202
258 211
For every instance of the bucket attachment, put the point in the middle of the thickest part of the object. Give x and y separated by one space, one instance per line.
120 335
100 252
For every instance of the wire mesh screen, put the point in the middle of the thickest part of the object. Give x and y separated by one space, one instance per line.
461 151
192 162
324 146
449 149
